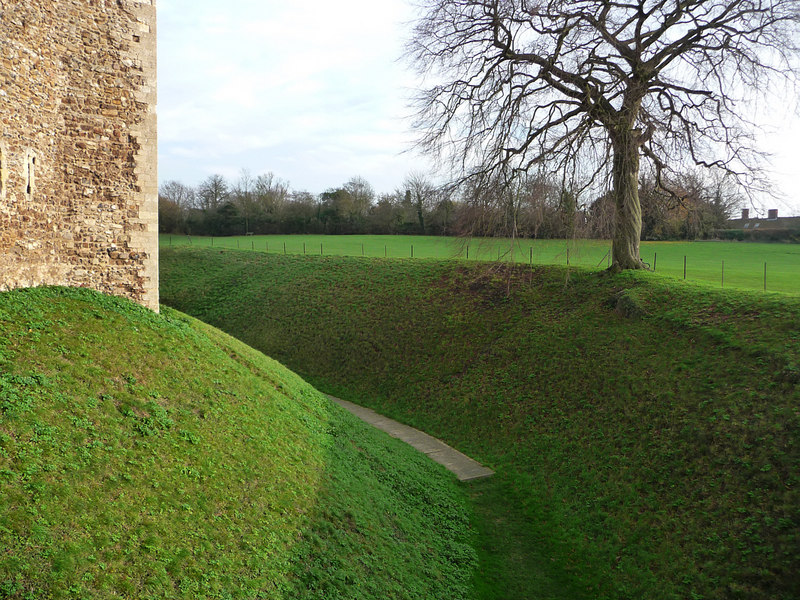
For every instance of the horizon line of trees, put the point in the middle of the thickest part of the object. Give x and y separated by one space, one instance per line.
696 207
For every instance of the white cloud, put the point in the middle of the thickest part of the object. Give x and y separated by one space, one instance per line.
315 88
313 91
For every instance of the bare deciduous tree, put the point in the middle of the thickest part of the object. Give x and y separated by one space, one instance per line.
174 191
522 84
362 196
271 193
212 192
174 201
700 204
422 194
243 195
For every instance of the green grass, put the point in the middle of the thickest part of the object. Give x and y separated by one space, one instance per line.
644 432
153 456
736 265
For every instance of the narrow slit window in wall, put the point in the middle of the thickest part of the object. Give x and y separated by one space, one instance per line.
30 174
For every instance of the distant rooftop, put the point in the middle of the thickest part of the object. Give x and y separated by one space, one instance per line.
771 222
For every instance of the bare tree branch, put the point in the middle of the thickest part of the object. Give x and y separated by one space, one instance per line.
520 85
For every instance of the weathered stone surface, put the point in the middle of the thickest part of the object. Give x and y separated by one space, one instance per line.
78 155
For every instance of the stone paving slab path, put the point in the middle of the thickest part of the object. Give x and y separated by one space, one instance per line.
460 464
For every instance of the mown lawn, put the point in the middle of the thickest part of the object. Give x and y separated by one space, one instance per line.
644 432
737 265
153 456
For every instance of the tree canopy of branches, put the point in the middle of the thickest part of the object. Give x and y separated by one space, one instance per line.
537 206
520 85
212 192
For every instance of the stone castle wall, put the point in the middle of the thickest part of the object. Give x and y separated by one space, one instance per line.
78 155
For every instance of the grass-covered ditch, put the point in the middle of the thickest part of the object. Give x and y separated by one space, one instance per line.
153 456
644 431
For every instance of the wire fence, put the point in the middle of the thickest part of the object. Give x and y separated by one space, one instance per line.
753 266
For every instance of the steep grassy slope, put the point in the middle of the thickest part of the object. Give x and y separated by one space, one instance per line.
147 456
645 433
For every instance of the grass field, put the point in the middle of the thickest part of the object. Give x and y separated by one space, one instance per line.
152 456
645 435
717 264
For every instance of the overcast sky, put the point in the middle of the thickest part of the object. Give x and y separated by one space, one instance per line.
314 92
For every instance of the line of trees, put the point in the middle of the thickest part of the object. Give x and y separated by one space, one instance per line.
537 206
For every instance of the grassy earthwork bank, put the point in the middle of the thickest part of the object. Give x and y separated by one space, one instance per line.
645 432
153 456
723 265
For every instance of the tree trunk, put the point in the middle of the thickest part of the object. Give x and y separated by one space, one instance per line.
628 214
